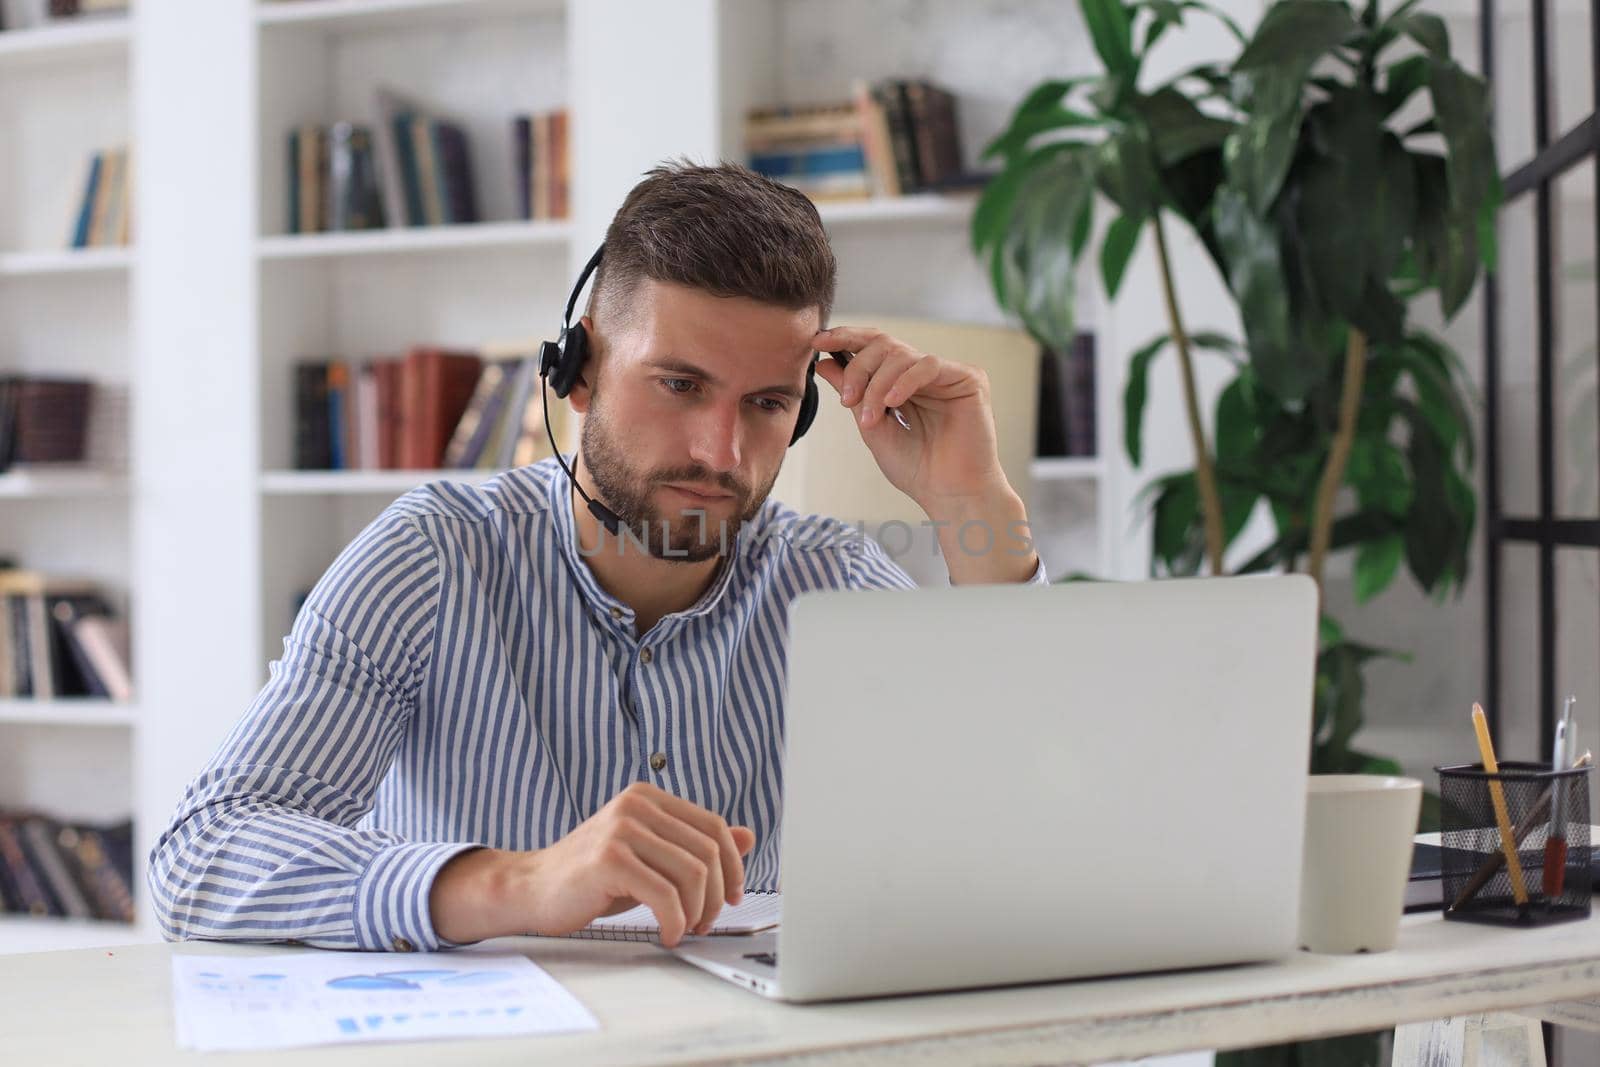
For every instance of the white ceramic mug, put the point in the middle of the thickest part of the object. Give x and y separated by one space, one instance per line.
1359 831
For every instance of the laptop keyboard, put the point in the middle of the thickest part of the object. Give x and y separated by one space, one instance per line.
768 958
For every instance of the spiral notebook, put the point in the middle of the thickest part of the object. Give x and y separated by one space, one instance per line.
757 912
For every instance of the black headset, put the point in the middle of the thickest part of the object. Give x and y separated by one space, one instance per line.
561 361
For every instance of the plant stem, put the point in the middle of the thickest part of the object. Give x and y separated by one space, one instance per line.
1205 475
1355 369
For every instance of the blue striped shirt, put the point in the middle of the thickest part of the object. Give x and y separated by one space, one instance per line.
459 678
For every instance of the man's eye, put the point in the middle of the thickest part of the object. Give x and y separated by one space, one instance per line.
671 383
769 405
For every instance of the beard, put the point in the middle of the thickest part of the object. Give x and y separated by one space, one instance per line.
686 534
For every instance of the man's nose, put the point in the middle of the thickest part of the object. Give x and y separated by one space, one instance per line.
717 443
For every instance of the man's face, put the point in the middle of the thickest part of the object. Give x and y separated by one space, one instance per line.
697 392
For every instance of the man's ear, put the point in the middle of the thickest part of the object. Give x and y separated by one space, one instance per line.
582 392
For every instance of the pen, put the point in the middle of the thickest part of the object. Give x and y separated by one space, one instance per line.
843 359
1497 795
1555 846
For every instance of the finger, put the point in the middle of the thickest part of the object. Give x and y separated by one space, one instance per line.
890 371
855 338
682 867
715 826
744 839
639 880
708 851
917 377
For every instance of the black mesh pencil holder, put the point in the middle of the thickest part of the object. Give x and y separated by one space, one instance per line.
1548 816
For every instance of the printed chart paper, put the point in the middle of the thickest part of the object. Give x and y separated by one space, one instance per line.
329 998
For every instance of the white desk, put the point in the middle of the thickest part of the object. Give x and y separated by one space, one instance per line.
114 1006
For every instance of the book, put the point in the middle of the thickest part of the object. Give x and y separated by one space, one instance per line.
80 229
436 386
388 108
755 913
354 200
1425 887
39 845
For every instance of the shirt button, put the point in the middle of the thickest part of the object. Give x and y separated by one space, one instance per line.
402 945
616 613
645 655
658 761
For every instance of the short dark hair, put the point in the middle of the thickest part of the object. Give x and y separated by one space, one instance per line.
725 230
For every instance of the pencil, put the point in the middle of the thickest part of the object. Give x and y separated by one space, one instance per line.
1497 794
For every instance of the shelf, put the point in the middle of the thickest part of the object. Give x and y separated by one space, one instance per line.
42 483
72 711
361 483
85 39
65 261
1066 468
40 933
917 207
413 239
364 15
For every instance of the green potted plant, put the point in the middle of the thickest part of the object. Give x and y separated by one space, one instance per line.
1338 168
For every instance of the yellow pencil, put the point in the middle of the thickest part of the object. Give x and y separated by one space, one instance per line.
1508 839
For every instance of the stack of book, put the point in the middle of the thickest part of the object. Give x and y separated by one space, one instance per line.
333 182
433 408
892 138
503 425
424 165
43 420
541 150
103 217
60 638
72 870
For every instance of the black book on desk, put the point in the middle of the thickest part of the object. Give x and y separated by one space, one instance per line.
1425 890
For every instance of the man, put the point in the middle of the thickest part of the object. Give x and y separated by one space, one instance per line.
493 717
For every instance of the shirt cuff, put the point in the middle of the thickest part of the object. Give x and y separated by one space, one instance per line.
391 906
1039 576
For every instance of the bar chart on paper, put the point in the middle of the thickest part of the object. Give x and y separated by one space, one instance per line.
315 998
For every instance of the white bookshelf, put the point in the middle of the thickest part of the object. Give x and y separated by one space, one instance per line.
360 483
65 261
65 94
69 712
465 238
68 484
210 533
63 42
354 16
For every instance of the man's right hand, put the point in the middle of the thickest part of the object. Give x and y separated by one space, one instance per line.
645 846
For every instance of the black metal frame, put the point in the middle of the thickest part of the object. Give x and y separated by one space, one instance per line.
1552 157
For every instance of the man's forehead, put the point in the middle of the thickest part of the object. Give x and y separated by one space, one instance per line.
734 336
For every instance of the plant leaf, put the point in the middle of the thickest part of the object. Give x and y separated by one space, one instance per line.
1293 36
1133 398
1125 166
1255 275
1179 129
1377 562
1111 28
1427 30
1039 271
1122 236
1026 126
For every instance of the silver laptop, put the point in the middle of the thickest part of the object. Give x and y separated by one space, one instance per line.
997 784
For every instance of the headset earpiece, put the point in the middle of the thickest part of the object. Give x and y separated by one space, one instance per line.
562 361
808 404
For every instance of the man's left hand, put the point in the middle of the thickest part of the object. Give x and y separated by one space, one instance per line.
949 459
